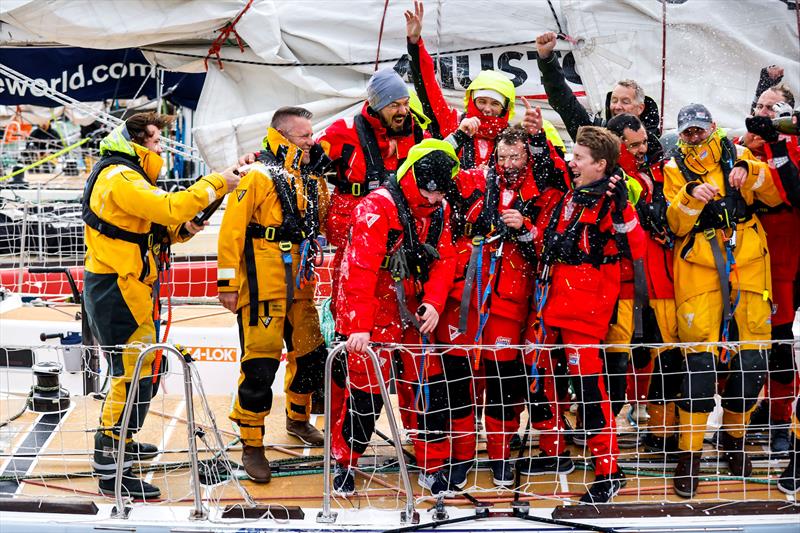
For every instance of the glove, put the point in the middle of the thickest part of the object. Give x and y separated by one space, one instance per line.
762 126
619 192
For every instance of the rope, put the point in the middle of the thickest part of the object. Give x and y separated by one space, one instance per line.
561 33
223 36
663 61
342 63
46 159
730 267
380 35
438 40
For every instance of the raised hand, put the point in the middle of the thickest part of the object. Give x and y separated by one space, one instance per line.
470 125
545 43
532 121
414 22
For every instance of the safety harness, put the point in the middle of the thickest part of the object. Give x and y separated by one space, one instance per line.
723 214
413 259
653 215
145 241
376 174
563 247
294 229
157 240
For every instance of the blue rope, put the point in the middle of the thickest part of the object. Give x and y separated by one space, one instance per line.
422 386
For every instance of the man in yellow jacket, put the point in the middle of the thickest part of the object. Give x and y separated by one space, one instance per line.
267 252
129 222
722 286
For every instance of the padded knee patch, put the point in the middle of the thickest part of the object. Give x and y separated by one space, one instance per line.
745 379
538 404
255 391
590 401
698 385
504 382
310 371
781 367
358 425
667 376
616 366
459 385
434 420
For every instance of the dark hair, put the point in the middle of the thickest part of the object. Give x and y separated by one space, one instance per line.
137 124
283 113
513 135
618 124
602 144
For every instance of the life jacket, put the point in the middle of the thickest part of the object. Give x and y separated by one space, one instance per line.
157 238
581 240
727 211
294 228
376 174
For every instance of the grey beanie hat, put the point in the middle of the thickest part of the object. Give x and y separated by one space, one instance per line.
384 87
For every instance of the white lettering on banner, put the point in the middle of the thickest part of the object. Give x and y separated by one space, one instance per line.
74 80
100 78
213 354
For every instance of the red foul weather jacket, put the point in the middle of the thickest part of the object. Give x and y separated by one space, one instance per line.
658 256
474 152
582 250
515 275
341 142
782 225
367 301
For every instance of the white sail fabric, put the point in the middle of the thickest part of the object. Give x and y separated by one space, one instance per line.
715 50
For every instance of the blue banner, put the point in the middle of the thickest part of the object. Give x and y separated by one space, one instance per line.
90 75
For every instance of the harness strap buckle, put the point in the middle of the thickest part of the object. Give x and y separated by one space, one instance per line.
356 189
269 233
709 233
284 246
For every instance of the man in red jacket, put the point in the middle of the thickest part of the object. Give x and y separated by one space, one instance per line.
654 302
397 270
365 149
577 287
783 239
489 301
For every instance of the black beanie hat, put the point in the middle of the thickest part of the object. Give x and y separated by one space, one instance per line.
434 171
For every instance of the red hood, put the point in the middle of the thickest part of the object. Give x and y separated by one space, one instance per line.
490 126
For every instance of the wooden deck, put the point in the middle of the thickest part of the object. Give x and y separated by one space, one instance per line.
60 467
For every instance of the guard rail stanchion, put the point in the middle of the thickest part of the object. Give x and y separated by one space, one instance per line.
409 515
121 511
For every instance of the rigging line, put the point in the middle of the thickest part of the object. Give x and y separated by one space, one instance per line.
339 63
380 35
106 119
664 61
438 40
119 80
138 91
553 11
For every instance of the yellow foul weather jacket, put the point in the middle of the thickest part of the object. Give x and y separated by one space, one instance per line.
254 218
695 269
125 199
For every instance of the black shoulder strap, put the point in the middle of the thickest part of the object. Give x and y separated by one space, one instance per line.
372 154
488 216
410 237
90 217
287 195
